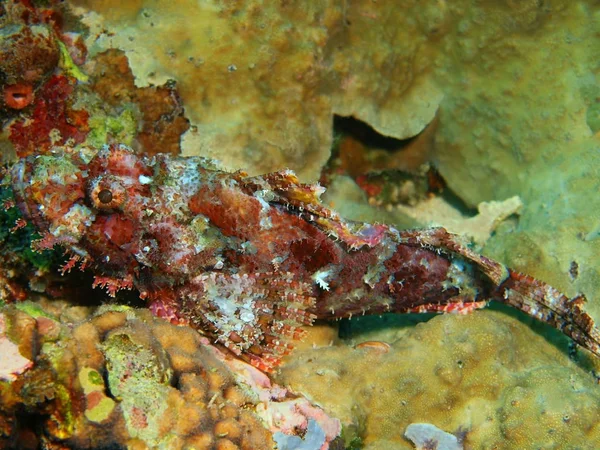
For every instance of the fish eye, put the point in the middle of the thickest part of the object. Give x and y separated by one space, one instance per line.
105 196
107 193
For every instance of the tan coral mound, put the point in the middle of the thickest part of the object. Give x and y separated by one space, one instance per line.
262 80
121 377
485 374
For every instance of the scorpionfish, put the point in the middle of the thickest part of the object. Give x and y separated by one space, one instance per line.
248 260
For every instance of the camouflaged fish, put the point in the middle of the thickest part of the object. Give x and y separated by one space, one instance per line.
248 260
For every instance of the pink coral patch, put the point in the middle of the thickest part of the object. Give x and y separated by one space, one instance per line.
12 363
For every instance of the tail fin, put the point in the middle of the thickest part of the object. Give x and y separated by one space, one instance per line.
543 302
533 297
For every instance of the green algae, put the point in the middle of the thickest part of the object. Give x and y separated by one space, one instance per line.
65 418
104 126
33 309
19 241
67 64
138 378
93 387
95 378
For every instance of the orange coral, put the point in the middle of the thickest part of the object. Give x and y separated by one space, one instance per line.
18 96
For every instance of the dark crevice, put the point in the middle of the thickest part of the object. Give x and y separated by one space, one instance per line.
457 203
350 126
371 139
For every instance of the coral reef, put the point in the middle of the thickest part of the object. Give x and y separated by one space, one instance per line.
117 377
486 377
285 70
59 104
479 228
513 85
270 58
47 99
107 107
52 122
500 97
12 363
29 53
428 437
525 126
557 232
155 113
248 75
390 171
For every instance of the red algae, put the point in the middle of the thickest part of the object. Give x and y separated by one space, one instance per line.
51 121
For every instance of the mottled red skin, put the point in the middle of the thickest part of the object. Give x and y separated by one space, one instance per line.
248 259
309 249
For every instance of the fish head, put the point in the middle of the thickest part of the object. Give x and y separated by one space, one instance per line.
87 201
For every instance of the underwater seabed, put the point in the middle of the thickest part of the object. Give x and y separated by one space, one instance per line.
493 378
479 116
116 376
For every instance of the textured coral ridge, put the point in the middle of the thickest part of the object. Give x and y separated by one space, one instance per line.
248 260
263 78
493 381
117 377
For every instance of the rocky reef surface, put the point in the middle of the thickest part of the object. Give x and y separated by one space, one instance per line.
513 86
116 377
487 378
499 97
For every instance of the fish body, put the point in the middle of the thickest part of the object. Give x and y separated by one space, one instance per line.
248 260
